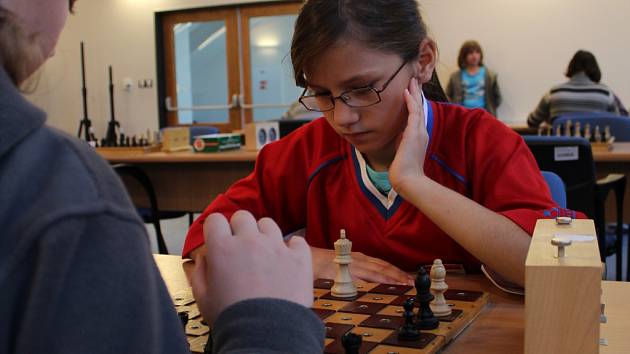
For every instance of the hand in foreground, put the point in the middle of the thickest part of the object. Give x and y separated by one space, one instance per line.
363 268
245 259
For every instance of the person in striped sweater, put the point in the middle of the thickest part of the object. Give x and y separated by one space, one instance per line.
582 93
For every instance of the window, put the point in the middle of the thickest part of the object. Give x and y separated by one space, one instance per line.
225 66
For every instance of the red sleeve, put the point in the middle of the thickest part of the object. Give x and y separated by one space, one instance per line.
506 177
277 187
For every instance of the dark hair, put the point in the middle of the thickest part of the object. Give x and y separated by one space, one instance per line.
393 26
584 61
467 48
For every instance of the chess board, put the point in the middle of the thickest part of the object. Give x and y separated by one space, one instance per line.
375 314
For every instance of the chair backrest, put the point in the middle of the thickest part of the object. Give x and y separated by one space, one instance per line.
572 160
619 125
556 186
196 130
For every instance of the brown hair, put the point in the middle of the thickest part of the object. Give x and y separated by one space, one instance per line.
19 52
393 26
467 48
584 61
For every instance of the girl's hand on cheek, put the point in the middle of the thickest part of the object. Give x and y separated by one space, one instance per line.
408 165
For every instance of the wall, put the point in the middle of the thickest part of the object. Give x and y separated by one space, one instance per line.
529 43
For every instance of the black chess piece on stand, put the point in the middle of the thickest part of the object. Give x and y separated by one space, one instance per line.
351 342
425 319
408 331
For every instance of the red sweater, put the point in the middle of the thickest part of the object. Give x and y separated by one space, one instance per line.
312 179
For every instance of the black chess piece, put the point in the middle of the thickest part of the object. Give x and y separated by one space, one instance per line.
351 342
134 142
127 141
408 331
426 319
207 349
183 317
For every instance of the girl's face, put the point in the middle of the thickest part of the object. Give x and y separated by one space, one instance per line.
473 58
351 65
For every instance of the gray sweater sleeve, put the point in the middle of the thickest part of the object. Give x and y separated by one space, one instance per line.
268 326
93 287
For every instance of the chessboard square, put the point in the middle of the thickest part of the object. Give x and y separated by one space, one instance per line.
455 313
391 289
372 334
192 310
389 349
400 300
411 292
198 344
462 295
336 330
196 328
369 308
361 286
378 298
382 321
337 348
329 296
421 343
329 304
323 284
183 297
317 293
322 314
328 341
347 318
392 311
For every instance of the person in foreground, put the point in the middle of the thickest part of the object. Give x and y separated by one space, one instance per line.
408 177
76 270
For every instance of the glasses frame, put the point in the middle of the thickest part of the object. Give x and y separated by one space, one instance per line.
341 96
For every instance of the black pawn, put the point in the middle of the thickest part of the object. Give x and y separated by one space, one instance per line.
351 342
408 331
183 317
426 319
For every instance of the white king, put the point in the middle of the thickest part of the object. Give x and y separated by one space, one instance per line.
344 286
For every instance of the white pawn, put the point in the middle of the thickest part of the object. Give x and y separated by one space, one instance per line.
438 286
343 286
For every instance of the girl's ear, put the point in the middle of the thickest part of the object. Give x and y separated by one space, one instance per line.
426 60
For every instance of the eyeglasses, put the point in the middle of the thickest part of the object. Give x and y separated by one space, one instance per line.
359 97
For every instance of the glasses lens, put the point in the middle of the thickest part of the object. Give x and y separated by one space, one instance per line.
361 97
320 103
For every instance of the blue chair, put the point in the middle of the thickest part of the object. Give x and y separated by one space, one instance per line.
556 186
196 130
571 159
619 125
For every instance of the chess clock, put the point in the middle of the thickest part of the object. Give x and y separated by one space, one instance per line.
259 134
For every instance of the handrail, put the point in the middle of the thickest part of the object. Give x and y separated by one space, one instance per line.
242 104
171 108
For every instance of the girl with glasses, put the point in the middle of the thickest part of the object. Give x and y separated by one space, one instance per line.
409 177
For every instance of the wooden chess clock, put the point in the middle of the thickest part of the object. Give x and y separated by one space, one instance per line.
563 288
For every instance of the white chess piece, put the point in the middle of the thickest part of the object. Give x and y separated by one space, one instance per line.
343 286
438 286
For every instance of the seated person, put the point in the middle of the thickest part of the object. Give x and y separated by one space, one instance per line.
582 93
474 85
409 178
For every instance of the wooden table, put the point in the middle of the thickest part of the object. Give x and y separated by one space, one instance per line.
499 328
186 181
189 181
